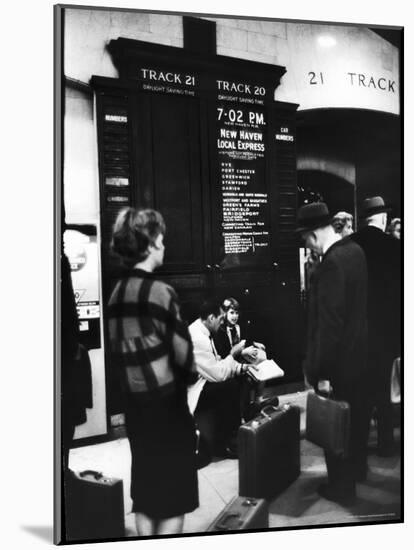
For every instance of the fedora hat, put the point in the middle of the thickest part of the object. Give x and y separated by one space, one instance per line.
313 215
373 205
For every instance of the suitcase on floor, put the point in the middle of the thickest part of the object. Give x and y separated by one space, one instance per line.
242 513
94 506
269 452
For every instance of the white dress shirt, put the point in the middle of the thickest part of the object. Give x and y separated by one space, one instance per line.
210 366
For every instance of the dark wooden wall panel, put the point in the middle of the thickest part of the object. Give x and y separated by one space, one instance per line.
177 181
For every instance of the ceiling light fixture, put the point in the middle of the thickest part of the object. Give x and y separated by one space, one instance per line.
326 41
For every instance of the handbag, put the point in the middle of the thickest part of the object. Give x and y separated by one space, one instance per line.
328 424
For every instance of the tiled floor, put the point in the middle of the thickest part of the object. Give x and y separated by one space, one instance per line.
378 498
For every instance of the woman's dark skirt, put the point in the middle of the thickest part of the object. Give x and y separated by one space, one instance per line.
162 438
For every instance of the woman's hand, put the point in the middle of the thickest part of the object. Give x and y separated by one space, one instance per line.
250 354
237 349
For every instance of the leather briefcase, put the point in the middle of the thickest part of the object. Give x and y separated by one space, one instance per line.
269 452
242 513
94 507
327 424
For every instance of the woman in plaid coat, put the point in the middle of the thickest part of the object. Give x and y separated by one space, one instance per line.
152 345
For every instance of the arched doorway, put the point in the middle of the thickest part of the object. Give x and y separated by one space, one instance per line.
349 151
316 185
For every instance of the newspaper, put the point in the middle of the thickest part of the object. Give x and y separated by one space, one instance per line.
266 370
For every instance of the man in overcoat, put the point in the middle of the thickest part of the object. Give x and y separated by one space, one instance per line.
337 337
383 254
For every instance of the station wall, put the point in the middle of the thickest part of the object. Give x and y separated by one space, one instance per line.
328 66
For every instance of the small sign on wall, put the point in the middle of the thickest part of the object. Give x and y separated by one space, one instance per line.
81 248
117 182
116 118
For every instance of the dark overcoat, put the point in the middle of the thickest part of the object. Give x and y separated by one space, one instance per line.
337 326
76 372
383 255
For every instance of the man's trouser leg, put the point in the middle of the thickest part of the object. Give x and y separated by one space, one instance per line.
221 402
344 472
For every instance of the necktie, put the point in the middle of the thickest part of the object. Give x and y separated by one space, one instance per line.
234 336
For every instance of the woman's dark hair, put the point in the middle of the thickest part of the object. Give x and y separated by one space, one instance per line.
134 231
230 303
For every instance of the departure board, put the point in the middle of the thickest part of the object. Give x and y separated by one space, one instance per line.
241 149
209 123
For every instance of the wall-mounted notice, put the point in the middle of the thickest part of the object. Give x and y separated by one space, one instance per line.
81 248
241 147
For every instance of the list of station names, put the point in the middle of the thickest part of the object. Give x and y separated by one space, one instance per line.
241 146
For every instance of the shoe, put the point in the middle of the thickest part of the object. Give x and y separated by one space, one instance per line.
345 498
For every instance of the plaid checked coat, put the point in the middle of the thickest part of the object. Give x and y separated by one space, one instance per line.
148 338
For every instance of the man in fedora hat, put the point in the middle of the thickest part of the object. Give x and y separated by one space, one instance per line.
383 256
336 341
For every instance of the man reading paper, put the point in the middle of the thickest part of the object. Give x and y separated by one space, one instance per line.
217 390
